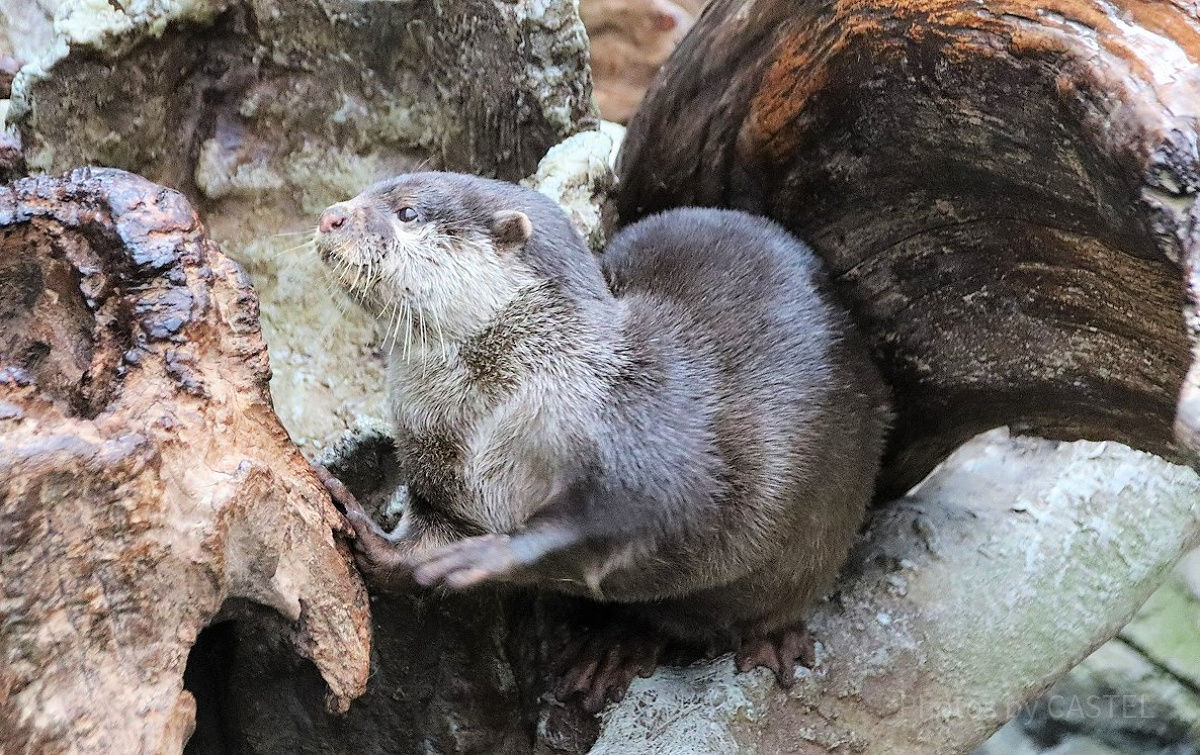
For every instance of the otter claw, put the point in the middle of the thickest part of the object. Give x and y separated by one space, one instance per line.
780 653
342 496
599 668
376 555
363 527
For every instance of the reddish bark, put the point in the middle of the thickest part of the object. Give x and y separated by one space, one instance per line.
1005 194
147 489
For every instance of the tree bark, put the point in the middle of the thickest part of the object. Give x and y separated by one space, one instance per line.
1004 193
147 489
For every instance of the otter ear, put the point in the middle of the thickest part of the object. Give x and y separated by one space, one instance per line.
511 227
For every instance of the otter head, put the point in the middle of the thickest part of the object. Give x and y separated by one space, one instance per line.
434 256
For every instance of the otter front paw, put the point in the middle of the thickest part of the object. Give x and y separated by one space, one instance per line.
468 562
381 561
382 564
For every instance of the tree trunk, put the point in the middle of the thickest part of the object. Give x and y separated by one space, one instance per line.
1005 194
147 489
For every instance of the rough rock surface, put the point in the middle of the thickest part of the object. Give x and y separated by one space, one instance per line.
912 660
27 27
265 112
236 99
147 489
580 174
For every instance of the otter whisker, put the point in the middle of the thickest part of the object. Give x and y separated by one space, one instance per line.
402 329
397 325
368 268
343 267
394 252
441 336
392 331
382 323
424 346
408 314
343 254
423 165
339 273
358 271
400 339
311 243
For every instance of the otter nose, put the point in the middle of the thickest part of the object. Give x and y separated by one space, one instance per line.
332 219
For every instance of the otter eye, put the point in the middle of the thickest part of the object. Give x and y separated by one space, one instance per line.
407 214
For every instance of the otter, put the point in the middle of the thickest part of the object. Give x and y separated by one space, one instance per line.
685 429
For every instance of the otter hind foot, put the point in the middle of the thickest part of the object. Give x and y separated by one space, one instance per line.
779 652
598 667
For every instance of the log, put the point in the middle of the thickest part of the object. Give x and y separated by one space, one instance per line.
1004 192
147 489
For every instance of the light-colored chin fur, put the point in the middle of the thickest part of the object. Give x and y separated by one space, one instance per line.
428 291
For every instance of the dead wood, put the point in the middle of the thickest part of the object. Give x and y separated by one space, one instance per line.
147 489
1004 193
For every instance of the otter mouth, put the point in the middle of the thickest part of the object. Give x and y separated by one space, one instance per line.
347 254
332 258
352 277
361 271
